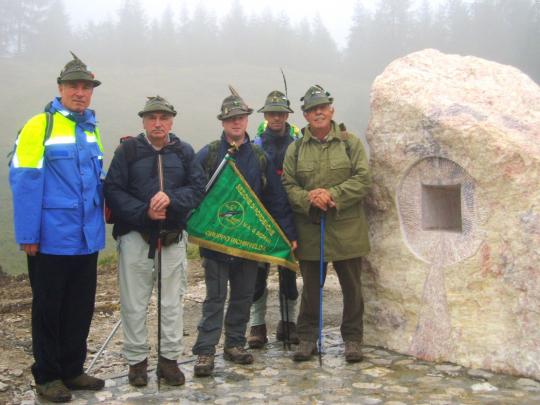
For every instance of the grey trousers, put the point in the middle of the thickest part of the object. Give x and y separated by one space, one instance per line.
136 278
241 276
348 272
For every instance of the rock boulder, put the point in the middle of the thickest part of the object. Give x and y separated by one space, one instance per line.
454 272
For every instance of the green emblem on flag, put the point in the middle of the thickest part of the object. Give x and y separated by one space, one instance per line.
232 220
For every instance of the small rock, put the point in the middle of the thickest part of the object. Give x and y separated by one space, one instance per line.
479 373
269 372
103 395
109 383
3 387
448 368
483 387
396 388
130 395
367 386
377 371
17 372
528 384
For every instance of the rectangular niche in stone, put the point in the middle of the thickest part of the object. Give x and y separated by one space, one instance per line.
441 208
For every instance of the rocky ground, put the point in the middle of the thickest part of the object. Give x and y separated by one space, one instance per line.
384 377
15 340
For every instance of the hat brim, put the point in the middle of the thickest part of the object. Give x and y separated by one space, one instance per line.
275 108
315 103
78 77
141 113
234 113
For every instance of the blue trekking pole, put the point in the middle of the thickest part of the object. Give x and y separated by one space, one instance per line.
321 284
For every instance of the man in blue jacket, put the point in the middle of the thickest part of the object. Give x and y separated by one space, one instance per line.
275 135
221 269
55 178
146 206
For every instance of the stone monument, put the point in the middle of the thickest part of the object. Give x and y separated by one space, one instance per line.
454 272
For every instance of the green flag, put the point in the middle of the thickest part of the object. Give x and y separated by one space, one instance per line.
232 220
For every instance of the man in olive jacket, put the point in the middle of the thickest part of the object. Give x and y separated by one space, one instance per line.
326 173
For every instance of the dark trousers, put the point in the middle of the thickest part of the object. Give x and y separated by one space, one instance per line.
287 282
241 275
348 272
63 296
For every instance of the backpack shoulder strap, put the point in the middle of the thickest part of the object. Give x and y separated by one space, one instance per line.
211 161
345 137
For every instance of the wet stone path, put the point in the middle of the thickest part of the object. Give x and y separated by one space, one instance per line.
384 377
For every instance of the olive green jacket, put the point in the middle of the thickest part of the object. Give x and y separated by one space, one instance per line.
313 164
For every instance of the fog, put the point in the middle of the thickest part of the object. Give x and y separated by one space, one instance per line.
190 54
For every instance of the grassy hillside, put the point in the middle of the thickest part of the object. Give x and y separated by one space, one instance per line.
196 93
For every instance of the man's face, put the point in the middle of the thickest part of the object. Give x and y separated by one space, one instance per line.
235 127
320 116
76 95
276 120
157 126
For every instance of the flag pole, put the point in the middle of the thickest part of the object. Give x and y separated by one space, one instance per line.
321 284
231 151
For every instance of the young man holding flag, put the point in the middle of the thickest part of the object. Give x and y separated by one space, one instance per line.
222 268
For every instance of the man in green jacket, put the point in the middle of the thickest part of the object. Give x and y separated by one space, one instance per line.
326 173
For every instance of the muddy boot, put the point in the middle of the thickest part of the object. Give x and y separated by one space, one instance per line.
238 355
169 371
54 391
138 376
281 332
305 351
204 365
257 337
85 382
353 352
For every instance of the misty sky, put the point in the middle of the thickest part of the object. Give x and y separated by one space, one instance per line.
337 19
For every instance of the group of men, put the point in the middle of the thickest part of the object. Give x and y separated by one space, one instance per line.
154 181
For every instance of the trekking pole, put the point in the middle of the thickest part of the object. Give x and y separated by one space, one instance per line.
284 286
115 328
159 246
321 284
282 307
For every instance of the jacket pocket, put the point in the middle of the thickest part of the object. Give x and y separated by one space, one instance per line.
59 202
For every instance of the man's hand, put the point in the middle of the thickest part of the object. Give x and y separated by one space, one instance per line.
160 201
294 245
30 248
321 198
157 215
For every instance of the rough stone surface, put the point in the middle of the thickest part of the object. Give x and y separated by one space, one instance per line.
455 213
336 382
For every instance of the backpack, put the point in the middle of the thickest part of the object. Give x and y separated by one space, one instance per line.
49 122
129 145
344 136
211 162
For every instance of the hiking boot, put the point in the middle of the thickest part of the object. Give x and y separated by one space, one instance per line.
353 351
257 336
238 355
204 365
169 371
305 351
85 382
54 391
281 332
138 376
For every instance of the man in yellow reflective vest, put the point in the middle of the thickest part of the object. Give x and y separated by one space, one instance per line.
55 177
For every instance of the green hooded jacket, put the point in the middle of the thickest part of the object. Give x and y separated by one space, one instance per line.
339 165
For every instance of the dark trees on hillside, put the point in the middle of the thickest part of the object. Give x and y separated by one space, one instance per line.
507 31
